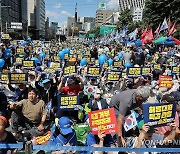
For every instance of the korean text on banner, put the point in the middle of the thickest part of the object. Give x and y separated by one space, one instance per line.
159 114
93 71
165 81
103 120
17 78
134 71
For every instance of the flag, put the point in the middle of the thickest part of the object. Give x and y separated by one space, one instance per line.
130 122
173 29
133 34
164 25
147 37
157 30
169 23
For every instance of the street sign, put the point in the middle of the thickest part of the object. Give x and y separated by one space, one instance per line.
16 25
106 29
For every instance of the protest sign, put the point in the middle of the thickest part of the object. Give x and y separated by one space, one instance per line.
165 81
46 50
68 102
56 58
55 65
105 65
5 36
4 78
16 78
49 70
103 120
134 71
146 71
175 70
28 64
66 56
90 89
157 66
20 50
79 56
117 64
43 139
92 60
19 60
159 114
130 122
93 71
5 71
123 74
113 76
70 70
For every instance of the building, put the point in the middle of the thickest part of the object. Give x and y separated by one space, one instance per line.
136 6
101 16
113 19
88 23
40 17
47 30
31 13
123 4
53 28
10 11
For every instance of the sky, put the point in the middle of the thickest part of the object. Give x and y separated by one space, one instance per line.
59 10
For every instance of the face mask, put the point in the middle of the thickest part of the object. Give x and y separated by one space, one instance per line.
97 96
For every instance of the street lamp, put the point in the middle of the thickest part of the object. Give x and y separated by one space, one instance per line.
0 14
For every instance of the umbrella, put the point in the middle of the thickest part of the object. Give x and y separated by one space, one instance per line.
160 40
168 41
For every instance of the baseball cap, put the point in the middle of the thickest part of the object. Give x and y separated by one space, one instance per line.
4 119
65 125
45 81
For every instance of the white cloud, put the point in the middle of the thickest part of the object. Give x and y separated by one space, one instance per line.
113 4
65 13
57 6
52 14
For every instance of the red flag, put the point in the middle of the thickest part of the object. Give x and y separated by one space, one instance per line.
173 29
149 37
176 40
169 23
157 30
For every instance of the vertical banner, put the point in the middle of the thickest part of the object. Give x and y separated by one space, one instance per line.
134 71
103 120
165 81
159 114
69 102
16 78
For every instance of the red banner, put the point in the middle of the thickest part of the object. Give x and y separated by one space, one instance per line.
165 81
43 139
103 120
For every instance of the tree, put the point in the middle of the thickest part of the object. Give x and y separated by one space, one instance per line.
95 31
156 10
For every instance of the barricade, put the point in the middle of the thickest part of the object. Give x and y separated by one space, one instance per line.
30 148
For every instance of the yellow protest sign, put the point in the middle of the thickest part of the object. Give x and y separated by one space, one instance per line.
4 78
68 102
123 74
16 78
19 60
134 71
55 65
66 56
28 64
20 50
49 70
157 66
56 58
175 69
113 76
5 36
146 71
5 71
79 56
117 63
70 70
93 71
46 50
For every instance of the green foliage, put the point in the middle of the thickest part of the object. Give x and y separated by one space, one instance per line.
95 31
156 10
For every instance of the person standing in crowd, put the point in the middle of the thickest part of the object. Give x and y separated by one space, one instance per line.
124 102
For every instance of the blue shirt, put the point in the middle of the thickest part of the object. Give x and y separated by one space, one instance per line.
61 140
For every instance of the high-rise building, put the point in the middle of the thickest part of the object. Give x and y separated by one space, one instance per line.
40 17
53 28
47 30
102 15
123 4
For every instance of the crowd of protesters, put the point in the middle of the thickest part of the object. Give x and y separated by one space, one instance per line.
30 109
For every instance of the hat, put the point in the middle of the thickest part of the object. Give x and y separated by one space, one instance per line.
65 125
45 81
4 119
32 73
140 125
